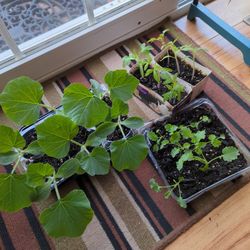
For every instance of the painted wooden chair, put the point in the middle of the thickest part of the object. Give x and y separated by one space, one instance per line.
228 32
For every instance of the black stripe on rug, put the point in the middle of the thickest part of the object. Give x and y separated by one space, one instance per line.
6 239
86 73
65 81
81 182
36 228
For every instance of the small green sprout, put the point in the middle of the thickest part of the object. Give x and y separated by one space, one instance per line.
176 90
143 59
170 190
193 51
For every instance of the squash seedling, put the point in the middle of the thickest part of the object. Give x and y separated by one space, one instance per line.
21 101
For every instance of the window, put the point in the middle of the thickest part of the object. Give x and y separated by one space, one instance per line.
66 32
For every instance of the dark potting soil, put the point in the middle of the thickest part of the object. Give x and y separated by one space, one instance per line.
56 163
159 88
117 134
195 179
186 70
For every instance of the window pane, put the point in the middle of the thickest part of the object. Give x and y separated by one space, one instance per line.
106 6
27 19
5 52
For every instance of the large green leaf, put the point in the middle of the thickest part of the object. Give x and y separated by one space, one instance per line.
68 168
95 163
100 134
8 158
21 100
119 108
133 122
69 216
34 148
129 153
41 192
121 84
14 192
83 107
54 135
10 139
37 172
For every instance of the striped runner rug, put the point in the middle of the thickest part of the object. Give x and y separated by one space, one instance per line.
128 215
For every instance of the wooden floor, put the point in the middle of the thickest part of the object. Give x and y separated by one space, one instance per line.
225 53
226 227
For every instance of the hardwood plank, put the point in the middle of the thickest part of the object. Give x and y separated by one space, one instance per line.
221 50
226 227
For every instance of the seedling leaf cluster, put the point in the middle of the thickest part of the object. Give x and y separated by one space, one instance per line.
21 101
174 90
187 143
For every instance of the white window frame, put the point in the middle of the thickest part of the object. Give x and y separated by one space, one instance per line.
48 59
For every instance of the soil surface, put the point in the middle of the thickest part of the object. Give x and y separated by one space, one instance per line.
159 88
56 163
116 135
186 70
195 179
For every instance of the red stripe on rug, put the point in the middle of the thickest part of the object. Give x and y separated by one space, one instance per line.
19 230
77 76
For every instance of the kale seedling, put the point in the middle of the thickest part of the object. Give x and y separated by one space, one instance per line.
170 190
21 101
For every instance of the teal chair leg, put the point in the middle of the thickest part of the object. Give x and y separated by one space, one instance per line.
228 32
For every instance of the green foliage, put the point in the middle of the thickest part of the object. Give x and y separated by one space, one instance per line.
230 154
143 59
133 122
10 139
121 84
21 100
14 192
169 190
128 153
8 158
175 89
188 145
68 168
95 163
37 173
83 107
54 135
118 108
69 216
100 134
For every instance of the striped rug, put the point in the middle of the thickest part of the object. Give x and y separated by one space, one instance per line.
128 215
